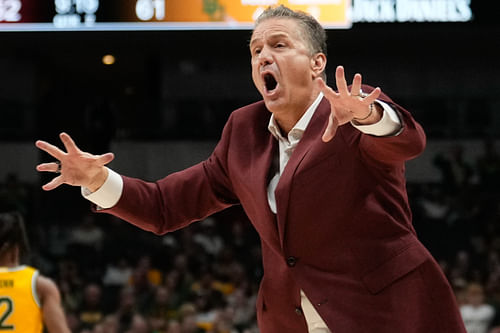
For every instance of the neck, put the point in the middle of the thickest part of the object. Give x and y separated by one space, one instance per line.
286 123
10 259
287 118
8 264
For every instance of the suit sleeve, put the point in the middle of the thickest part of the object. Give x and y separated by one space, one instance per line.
407 144
180 198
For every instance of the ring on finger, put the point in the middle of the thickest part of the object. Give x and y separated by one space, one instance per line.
361 94
58 170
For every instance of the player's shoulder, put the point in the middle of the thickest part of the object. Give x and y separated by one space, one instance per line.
45 285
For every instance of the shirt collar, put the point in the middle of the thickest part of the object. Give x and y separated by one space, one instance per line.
5 269
298 129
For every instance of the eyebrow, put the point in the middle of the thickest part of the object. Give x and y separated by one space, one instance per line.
272 36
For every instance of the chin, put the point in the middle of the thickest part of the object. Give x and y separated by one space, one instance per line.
274 106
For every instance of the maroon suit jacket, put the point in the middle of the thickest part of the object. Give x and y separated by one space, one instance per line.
342 232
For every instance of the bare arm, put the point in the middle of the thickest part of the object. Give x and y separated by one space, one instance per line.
52 312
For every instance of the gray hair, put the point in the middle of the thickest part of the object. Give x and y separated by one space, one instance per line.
313 32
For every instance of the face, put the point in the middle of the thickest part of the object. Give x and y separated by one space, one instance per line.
283 68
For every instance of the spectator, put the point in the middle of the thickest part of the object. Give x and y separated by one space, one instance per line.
208 238
160 311
71 284
91 311
456 173
223 322
179 280
174 326
138 325
189 325
116 276
143 281
127 308
108 325
242 306
152 274
477 314
88 234
488 167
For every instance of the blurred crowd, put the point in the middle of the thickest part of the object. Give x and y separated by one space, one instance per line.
458 220
114 277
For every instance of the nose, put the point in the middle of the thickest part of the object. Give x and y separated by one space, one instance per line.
265 57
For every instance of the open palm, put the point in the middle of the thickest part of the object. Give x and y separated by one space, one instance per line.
74 166
345 105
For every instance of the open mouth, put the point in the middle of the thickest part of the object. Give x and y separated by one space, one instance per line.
270 82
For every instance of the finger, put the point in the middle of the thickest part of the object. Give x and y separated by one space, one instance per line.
372 96
340 81
331 129
68 143
105 158
53 183
356 85
329 93
51 167
50 149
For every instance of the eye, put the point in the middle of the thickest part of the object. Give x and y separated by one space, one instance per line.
279 45
256 51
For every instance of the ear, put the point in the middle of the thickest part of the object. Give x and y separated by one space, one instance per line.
318 64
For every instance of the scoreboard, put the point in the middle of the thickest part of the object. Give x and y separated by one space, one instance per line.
73 15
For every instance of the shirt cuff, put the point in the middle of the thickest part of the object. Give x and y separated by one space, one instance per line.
108 194
388 125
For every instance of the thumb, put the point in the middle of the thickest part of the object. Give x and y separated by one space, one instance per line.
331 129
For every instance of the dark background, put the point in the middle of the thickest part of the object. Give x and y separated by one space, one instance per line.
445 73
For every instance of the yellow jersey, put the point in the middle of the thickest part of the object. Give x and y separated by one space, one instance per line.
19 305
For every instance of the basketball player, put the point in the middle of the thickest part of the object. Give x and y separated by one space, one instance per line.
27 299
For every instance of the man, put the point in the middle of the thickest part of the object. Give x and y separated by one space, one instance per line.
27 299
320 175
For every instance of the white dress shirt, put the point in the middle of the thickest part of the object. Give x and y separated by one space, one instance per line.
110 192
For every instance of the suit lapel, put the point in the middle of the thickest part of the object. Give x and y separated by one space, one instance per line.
310 144
263 159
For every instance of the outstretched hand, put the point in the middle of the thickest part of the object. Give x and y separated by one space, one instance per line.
74 167
346 105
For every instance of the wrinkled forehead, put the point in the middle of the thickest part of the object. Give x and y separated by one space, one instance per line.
274 27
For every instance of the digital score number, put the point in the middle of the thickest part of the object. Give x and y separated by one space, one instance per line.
149 9
73 13
10 10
